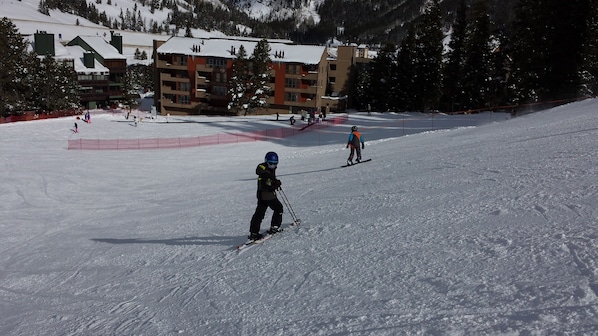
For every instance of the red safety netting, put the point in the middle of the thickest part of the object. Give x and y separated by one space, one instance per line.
205 140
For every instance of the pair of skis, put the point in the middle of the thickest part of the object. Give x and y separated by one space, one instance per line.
250 243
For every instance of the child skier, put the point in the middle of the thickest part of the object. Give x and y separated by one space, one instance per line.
267 184
354 142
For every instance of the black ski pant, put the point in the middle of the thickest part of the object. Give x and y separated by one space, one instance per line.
260 212
353 150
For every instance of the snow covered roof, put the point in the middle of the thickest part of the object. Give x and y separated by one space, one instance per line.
77 53
74 53
102 47
222 47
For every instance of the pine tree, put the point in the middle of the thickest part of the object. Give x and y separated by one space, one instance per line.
382 78
406 73
477 63
452 97
548 39
566 57
131 85
428 57
589 69
67 87
14 66
530 51
361 93
259 89
54 85
239 81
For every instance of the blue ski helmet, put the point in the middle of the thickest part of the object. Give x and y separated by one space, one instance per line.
271 157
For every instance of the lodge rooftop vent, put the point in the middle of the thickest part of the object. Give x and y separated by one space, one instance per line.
88 60
44 43
116 40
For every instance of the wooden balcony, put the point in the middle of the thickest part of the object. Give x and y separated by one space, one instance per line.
166 77
166 65
169 90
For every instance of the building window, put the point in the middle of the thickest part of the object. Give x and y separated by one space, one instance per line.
168 97
219 90
216 62
291 96
291 83
184 86
184 99
332 80
293 69
332 67
220 77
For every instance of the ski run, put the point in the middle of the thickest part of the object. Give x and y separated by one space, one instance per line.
476 224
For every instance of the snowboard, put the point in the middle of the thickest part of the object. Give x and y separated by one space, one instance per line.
356 163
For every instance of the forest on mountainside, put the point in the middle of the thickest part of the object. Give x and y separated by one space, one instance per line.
547 53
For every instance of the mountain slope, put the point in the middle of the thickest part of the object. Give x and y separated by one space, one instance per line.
309 21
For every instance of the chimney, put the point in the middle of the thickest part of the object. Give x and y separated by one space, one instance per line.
44 43
116 41
88 60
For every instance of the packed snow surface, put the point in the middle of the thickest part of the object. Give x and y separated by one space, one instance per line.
486 228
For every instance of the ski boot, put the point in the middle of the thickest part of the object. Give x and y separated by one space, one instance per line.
255 236
274 230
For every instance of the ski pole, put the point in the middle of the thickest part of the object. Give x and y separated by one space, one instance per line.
285 200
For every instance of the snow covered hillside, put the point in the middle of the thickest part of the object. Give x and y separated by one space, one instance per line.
485 230
28 20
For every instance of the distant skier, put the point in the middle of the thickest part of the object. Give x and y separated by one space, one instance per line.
267 184
356 143
76 128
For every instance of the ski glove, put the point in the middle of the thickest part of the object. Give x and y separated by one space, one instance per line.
276 184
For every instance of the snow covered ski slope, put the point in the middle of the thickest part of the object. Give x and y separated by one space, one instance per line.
488 228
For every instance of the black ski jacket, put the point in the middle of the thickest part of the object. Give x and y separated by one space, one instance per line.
267 183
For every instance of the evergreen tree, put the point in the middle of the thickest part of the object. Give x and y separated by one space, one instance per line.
530 51
361 93
131 87
548 39
452 96
428 57
239 81
499 69
54 85
477 63
383 78
589 70
188 32
15 61
566 47
67 87
259 89
406 73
